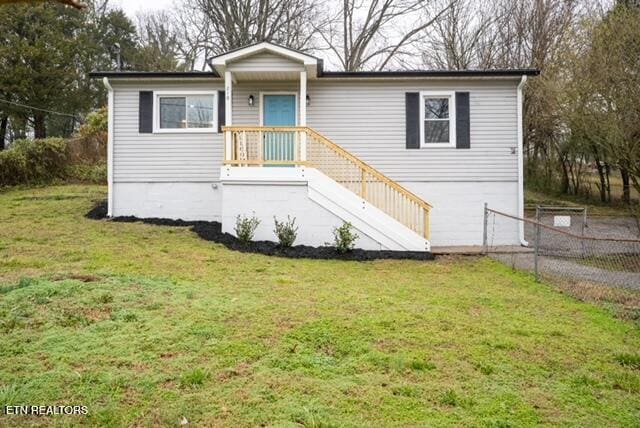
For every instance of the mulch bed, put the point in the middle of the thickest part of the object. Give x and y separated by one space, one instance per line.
212 231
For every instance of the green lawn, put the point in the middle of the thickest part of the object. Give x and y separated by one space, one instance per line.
148 324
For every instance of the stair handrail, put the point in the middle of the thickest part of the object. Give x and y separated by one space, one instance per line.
338 150
368 168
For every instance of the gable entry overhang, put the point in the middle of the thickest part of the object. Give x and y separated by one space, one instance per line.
266 61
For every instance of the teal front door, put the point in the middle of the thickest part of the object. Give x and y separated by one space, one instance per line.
279 110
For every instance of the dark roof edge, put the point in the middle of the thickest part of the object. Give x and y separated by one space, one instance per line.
147 74
328 74
435 73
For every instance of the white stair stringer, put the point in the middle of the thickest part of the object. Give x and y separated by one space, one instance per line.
277 196
390 233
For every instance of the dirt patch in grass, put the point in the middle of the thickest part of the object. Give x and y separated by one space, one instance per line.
49 197
212 231
77 277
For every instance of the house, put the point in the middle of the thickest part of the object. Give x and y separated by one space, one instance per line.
408 157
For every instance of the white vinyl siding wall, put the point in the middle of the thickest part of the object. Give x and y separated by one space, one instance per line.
367 118
165 157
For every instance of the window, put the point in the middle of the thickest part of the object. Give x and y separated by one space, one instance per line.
192 112
437 127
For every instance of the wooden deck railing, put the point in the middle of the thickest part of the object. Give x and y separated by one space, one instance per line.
302 146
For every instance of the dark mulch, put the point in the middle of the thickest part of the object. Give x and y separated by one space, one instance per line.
98 212
212 231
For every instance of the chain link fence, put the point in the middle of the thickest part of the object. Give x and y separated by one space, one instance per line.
562 245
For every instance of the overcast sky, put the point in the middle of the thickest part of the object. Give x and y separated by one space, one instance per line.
131 7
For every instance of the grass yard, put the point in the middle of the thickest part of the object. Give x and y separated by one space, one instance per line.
147 324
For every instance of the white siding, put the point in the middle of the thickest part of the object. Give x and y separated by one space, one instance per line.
265 62
173 157
368 119
365 117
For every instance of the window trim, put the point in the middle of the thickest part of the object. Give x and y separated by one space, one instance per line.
452 118
156 113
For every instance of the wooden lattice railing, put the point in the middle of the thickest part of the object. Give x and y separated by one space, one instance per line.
302 146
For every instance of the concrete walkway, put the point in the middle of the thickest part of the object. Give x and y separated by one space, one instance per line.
568 269
476 250
523 258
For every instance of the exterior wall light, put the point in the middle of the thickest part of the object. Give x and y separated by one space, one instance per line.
308 100
251 100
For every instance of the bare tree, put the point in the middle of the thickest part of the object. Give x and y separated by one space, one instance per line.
194 33
77 4
462 38
612 67
500 33
211 27
374 34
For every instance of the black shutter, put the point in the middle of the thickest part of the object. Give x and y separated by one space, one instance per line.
221 111
412 118
145 112
463 132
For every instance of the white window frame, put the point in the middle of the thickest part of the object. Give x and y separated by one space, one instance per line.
156 113
452 118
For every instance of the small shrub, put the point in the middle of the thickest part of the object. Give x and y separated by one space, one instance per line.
345 238
420 365
193 378
89 145
124 315
23 283
13 167
84 173
105 298
72 319
287 232
33 162
485 369
96 122
450 398
629 360
246 227
405 391
10 393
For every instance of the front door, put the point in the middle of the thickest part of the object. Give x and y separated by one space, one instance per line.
279 110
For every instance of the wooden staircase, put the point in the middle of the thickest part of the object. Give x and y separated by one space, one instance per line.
259 146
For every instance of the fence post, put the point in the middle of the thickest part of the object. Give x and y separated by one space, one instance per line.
485 242
536 244
584 226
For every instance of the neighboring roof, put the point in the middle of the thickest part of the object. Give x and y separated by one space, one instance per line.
161 74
